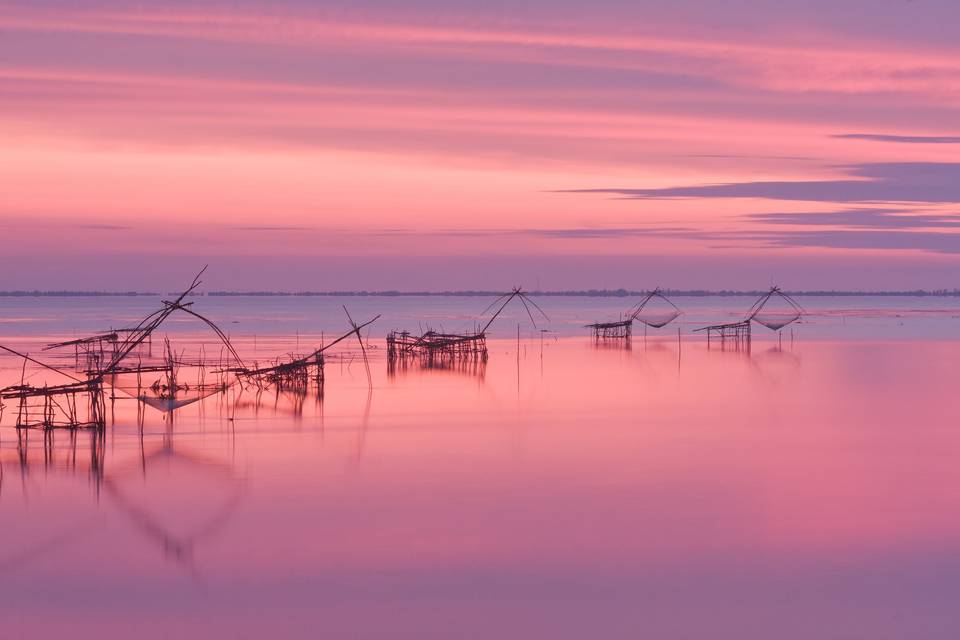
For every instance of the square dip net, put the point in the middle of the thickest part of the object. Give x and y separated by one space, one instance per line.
656 310
775 310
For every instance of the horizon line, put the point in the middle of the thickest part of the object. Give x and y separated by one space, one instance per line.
573 293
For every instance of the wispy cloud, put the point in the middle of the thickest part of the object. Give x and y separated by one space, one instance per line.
933 242
102 227
271 228
873 218
744 58
927 182
575 233
883 137
254 130
830 238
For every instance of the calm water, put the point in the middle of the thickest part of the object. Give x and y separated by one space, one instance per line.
807 488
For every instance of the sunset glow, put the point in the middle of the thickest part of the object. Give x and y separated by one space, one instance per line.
398 139
443 319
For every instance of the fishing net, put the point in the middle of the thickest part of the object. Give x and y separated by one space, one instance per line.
775 310
153 388
658 320
655 310
776 321
168 404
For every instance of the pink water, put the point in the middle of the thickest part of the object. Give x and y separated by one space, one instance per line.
808 490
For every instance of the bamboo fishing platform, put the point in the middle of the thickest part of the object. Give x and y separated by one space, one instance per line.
739 333
107 360
642 312
435 347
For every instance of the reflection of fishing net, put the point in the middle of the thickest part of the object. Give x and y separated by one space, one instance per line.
655 310
775 310
178 499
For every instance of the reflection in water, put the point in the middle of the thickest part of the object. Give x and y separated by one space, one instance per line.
291 402
767 492
775 365
172 471
778 354
467 366
169 474
612 344
68 451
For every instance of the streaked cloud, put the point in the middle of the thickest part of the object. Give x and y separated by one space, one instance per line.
270 228
933 242
926 182
383 129
882 137
872 218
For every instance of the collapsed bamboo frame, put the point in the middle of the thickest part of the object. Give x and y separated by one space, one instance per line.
104 358
93 352
51 407
76 405
295 374
435 347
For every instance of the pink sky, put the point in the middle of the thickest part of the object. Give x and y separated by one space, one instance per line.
445 145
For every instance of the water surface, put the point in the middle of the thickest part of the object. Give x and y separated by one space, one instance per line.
804 488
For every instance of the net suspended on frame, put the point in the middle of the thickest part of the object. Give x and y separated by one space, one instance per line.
656 310
775 310
154 387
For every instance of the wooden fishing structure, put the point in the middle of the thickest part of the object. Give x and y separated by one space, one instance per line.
642 312
618 330
296 373
78 404
734 333
93 352
162 385
60 406
436 348
75 405
117 360
738 334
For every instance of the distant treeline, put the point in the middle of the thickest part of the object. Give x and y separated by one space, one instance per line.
588 293
591 293
73 294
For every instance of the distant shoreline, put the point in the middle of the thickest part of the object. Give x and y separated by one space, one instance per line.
589 293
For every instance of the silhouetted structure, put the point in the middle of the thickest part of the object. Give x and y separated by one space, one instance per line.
738 333
105 359
434 347
295 374
644 312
